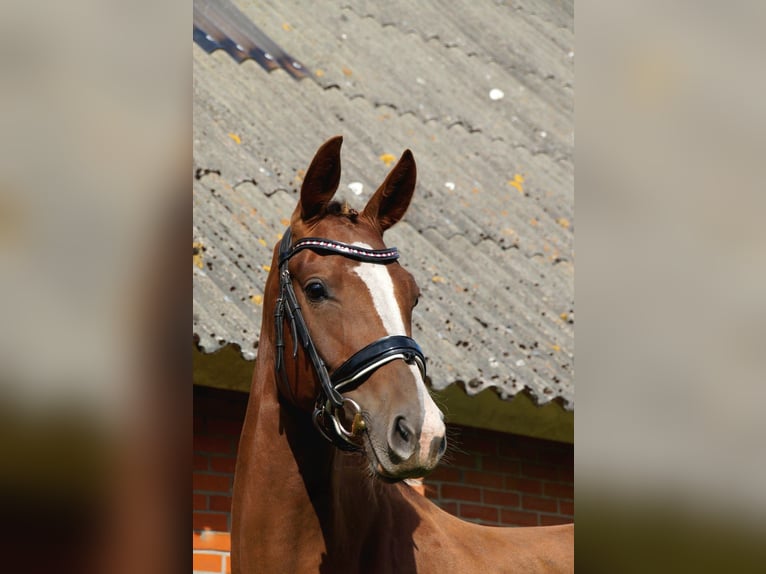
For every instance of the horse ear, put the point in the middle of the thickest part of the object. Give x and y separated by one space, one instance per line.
389 203
322 179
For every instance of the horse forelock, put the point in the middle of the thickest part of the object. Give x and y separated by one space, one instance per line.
341 208
334 209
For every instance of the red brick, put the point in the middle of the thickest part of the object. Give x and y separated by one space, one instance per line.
204 562
566 473
445 474
227 568
223 404
501 498
200 462
566 508
213 444
223 464
529 442
475 511
199 502
537 503
518 518
211 521
486 445
558 490
559 456
504 465
515 451
484 479
211 482
220 503
462 460
551 519
209 540
450 507
458 492
528 485
219 426
539 471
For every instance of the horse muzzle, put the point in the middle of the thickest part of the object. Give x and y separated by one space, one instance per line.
408 445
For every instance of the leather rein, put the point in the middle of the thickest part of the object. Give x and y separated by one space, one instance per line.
357 368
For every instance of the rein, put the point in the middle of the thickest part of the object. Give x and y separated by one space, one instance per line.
357 368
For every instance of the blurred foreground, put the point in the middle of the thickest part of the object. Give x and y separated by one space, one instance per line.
95 399
671 285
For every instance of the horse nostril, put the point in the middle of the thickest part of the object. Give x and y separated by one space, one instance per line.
442 445
402 440
402 430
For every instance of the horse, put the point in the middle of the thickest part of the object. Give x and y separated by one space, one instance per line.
339 416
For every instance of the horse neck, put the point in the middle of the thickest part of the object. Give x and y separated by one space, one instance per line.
279 443
285 463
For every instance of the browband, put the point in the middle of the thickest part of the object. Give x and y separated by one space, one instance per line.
337 247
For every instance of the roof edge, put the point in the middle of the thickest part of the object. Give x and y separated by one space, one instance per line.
520 415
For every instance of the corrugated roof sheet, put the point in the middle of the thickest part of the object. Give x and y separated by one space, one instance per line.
482 93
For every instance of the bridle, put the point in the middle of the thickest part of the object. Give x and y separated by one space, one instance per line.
357 368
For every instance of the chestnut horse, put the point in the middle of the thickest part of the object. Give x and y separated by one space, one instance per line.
339 414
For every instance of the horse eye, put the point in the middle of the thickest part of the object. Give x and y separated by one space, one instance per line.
417 300
315 291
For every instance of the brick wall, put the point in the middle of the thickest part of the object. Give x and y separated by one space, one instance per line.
486 477
218 417
501 479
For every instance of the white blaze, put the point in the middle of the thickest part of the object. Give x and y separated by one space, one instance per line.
381 287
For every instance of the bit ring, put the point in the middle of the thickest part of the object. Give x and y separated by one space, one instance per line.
357 426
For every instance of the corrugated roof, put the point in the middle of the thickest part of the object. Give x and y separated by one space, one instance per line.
482 93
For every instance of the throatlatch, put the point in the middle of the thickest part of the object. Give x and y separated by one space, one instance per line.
359 366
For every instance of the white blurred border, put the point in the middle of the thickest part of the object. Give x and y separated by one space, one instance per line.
671 271
95 210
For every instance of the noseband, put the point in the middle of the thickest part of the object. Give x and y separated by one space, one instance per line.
357 368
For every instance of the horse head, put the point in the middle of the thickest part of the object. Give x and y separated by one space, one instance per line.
344 323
